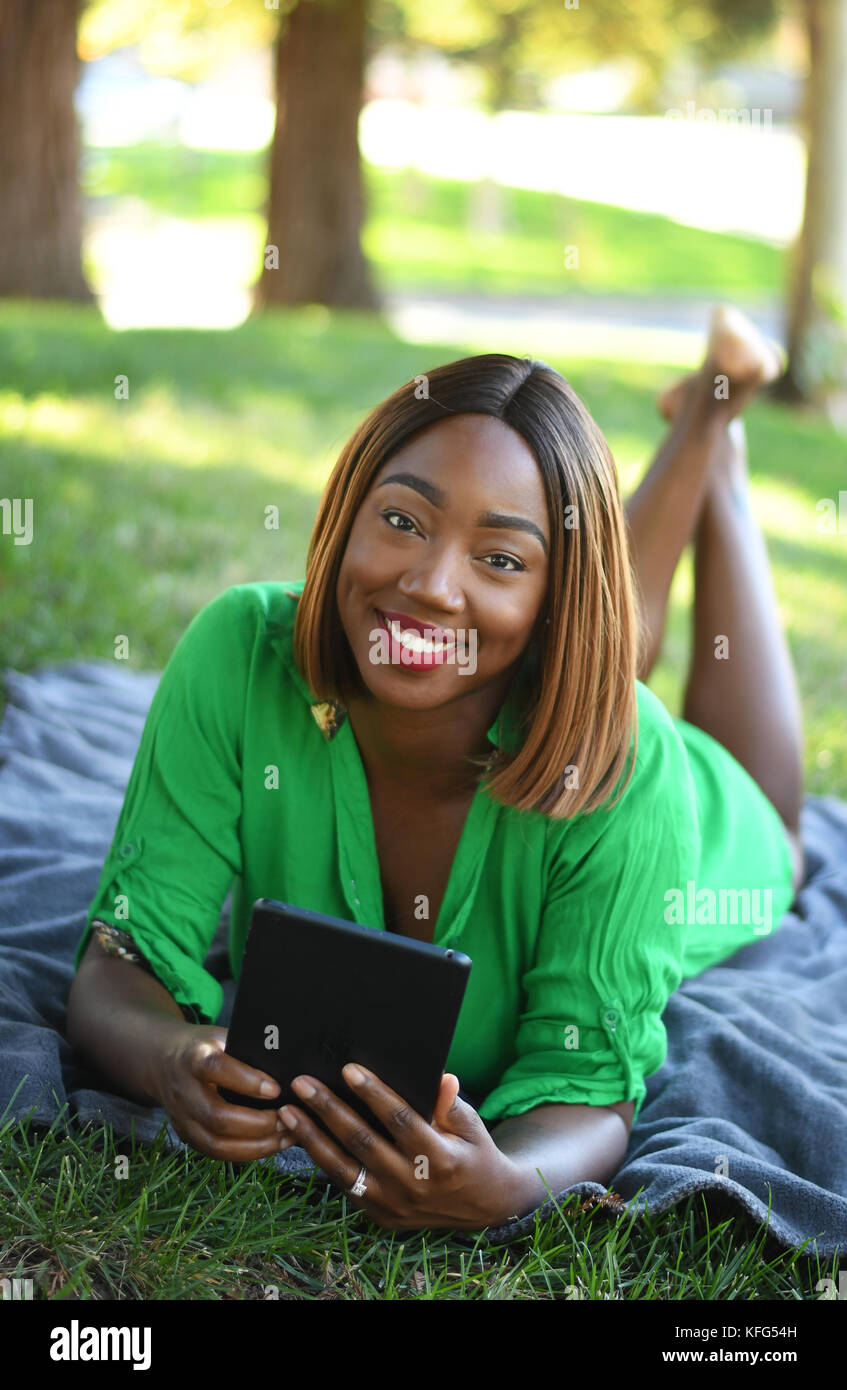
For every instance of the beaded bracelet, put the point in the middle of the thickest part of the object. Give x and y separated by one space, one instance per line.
118 943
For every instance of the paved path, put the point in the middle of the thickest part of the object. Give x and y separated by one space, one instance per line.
640 329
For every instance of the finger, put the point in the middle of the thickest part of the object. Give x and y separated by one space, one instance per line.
454 1116
215 1067
200 1100
222 1130
338 1165
447 1094
356 1136
409 1130
227 1148
227 1119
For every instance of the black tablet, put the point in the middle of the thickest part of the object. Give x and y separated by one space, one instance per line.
316 992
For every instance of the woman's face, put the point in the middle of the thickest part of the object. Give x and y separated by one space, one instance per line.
460 544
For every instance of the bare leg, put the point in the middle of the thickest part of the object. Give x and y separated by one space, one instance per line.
749 701
663 512
697 485
665 508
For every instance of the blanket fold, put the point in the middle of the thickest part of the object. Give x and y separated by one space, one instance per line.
749 1107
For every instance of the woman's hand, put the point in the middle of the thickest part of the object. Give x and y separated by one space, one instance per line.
188 1074
446 1174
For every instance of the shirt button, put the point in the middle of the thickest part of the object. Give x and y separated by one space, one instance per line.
610 1018
127 850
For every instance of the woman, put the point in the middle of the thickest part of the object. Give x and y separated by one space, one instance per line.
536 805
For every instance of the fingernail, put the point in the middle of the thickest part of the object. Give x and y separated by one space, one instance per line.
288 1118
352 1074
268 1088
286 1142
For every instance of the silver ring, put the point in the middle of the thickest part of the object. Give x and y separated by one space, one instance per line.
359 1187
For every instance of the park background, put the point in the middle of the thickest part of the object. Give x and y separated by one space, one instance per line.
228 228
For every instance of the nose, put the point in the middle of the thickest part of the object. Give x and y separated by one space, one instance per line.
434 583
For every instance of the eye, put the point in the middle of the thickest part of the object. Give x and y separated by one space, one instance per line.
518 565
392 512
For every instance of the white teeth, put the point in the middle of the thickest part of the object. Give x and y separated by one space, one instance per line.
415 641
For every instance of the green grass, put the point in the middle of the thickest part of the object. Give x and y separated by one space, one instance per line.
419 234
620 252
169 1225
145 509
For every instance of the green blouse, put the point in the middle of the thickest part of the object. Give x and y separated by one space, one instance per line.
243 780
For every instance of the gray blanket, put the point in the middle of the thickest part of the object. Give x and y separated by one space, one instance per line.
749 1108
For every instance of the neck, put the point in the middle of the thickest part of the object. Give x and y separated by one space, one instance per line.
425 751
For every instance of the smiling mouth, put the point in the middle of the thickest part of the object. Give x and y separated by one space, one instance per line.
413 641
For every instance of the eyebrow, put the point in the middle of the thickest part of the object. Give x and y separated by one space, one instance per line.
490 521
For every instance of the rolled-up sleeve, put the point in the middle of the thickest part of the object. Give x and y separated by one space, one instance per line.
606 958
176 846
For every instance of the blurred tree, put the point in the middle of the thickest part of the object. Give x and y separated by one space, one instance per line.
314 206
40 212
817 311
40 203
185 39
313 253
520 45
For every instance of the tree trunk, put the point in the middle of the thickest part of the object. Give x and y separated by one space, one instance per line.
818 295
315 199
40 206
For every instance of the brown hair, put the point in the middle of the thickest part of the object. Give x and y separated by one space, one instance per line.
581 707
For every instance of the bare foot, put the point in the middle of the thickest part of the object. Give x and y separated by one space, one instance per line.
735 349
739 351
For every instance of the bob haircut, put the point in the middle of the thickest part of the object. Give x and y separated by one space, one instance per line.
580 714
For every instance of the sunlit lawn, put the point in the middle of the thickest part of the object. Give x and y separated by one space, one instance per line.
147 507
420 231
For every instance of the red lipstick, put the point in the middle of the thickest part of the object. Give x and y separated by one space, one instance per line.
431 631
